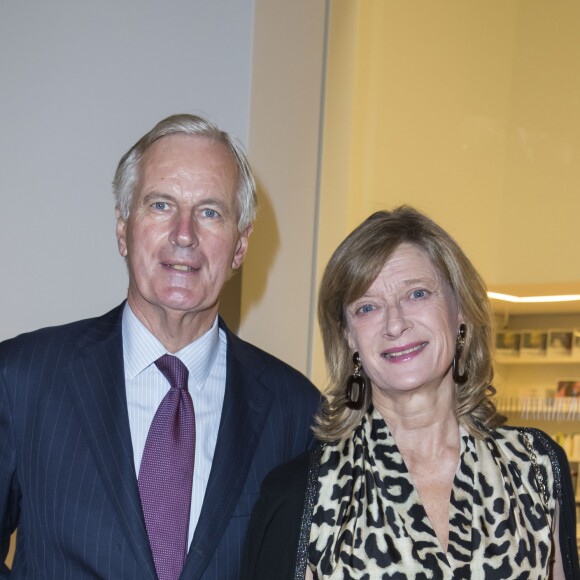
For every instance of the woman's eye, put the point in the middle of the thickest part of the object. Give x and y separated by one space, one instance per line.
365 308
418 294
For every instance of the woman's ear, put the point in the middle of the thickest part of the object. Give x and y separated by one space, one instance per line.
349 339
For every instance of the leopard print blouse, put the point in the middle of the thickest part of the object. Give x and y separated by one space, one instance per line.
368 522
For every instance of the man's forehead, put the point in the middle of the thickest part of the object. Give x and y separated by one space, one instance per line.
181 155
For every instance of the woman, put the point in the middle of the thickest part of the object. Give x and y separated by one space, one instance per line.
415 477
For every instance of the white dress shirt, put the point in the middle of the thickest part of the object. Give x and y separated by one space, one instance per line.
146 386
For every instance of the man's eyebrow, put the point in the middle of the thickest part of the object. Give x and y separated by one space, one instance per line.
211 201
155 195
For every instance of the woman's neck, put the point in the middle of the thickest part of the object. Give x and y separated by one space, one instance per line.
420 421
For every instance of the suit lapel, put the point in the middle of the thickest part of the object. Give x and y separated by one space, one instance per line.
245 409
97 385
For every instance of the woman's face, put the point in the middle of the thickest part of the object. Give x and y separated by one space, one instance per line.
405 326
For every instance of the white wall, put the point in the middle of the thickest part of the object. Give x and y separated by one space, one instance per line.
81 82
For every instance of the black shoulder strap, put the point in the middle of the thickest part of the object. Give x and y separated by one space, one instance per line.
306 520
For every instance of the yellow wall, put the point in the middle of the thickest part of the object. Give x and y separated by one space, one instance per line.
468 111
542 160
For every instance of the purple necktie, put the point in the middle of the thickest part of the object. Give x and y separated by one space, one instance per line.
166 473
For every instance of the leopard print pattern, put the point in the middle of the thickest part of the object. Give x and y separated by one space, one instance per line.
368 522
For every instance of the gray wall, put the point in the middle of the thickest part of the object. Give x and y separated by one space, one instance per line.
80 83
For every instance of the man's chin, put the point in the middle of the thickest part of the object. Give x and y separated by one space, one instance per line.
178 303
177 306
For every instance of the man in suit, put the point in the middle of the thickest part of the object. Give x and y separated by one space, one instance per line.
78 403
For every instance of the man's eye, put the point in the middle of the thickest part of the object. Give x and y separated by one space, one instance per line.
210 213
160 205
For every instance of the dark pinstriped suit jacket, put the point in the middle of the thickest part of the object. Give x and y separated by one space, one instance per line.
67 476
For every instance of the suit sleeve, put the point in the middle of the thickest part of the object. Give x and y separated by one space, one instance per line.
9 489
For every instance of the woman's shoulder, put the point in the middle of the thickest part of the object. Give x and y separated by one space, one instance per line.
537 437
275 526
516 439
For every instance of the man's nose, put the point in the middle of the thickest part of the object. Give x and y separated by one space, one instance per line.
184 230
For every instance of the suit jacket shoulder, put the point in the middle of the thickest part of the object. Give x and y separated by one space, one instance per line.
60 340
267 368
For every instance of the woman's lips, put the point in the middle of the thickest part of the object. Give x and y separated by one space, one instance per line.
404 353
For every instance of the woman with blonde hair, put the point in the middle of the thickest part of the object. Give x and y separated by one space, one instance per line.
415 475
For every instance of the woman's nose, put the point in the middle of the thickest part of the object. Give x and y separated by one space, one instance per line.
396 322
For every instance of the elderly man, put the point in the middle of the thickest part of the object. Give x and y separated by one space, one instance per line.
132 446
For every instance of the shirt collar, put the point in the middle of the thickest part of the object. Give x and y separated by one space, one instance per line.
141 349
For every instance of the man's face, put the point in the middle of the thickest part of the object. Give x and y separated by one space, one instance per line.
181 238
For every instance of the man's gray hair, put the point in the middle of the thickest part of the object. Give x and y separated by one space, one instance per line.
127 172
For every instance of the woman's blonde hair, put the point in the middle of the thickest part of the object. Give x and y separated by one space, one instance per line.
352 269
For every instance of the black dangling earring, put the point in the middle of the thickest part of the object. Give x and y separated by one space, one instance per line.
460 343
356 379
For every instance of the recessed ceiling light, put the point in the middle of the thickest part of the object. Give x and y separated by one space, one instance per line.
533 299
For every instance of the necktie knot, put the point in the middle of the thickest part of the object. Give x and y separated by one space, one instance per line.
173 370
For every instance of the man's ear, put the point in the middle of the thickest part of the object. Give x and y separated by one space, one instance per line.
241 248
121 233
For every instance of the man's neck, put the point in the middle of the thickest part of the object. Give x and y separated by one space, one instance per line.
174 329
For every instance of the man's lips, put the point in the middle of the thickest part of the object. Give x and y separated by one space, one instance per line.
179 267
404 351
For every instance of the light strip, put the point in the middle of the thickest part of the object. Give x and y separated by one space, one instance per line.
533 299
